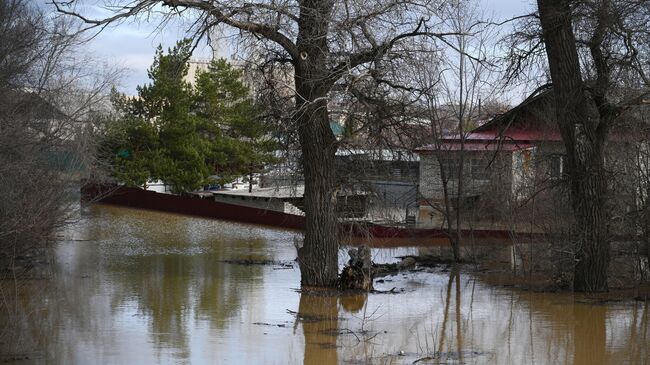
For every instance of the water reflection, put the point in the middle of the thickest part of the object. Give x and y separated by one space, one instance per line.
590 349
143 287
318 314
353 303
447 335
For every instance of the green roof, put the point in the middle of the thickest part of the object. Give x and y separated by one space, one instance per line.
336 128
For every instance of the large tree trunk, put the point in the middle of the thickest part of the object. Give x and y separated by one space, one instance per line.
578 120
588 188
645 230
318 258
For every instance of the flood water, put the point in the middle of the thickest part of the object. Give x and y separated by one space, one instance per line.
140 287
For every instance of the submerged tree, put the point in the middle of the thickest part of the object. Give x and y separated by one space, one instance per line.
323 40
50 98
452 89
589 45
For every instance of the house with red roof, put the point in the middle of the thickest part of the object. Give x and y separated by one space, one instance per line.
505 161
517 158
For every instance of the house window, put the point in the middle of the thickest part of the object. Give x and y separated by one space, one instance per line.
396 172
526 157
556 166
450 166
480 169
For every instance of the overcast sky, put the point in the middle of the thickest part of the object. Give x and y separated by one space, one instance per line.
131 45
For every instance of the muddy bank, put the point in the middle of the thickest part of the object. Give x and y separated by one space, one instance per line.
499 267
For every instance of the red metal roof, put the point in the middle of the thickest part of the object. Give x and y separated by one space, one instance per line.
491 140
474 146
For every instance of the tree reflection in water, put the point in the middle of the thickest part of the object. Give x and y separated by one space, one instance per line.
318 314
590 335
445 350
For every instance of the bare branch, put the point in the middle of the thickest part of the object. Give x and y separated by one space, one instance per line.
378 51
217 13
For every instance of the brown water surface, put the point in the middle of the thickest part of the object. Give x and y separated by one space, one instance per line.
140 287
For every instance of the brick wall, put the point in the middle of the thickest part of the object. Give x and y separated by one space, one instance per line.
498 172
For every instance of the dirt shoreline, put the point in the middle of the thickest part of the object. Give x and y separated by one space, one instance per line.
497 274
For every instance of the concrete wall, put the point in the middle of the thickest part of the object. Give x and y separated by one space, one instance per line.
392 201
499 172
487 179
158 186
250 201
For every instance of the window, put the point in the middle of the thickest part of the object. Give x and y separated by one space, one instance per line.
450 165
480 169
556 166
396 172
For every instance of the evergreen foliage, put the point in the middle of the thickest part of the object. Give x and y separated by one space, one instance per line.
186 135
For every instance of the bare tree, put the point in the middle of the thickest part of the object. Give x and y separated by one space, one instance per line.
323 40
628 173
453 85
589 45
49 98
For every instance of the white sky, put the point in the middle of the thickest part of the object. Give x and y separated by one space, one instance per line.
132 45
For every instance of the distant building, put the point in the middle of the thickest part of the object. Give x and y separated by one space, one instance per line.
390 176
498 156
60 138
511 159
196 66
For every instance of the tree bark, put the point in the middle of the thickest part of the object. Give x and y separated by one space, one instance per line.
643 220
452 234
318 258
582 128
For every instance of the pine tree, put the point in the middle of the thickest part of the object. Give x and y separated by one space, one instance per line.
223 103
183 134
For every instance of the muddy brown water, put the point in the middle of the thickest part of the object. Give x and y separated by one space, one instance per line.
140 287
